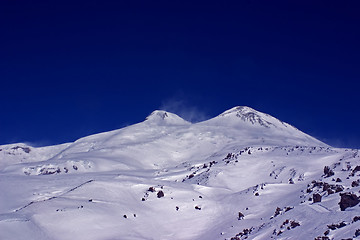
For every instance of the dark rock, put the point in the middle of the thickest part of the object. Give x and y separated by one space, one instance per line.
284 223
277 211
357 233
355 183
212 163
348 200
328 172
342 224
332 226
151 189
330 191
25 149
339 188
338 180
125 216
316 198
356 169
294 224
197 208
288 209
326 186
240 216
317 184
356 218
322 238
49 170
160 194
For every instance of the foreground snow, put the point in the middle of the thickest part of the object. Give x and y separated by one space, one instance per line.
243 174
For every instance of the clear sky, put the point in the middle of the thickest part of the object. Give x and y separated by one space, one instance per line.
73 68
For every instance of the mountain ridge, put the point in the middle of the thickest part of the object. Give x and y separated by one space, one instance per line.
240 125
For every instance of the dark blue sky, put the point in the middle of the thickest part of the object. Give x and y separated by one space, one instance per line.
70 69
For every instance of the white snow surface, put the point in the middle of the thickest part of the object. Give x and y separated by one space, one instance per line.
166 178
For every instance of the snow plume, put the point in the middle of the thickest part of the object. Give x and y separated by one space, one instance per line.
42 143
184 109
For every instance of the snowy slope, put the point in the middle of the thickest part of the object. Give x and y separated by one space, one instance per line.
22 153
243 174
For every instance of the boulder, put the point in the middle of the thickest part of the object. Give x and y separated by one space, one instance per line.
348 200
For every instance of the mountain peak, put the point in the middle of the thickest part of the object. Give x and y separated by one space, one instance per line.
252 124
157 114
164 117
239 110
252 116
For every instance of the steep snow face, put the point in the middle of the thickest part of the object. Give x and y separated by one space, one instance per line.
249 115
255 127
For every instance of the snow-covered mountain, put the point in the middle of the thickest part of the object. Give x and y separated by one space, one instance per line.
241 175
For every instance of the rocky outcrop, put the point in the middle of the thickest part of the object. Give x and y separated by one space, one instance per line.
348 200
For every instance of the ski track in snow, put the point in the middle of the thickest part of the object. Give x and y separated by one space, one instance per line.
53 197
